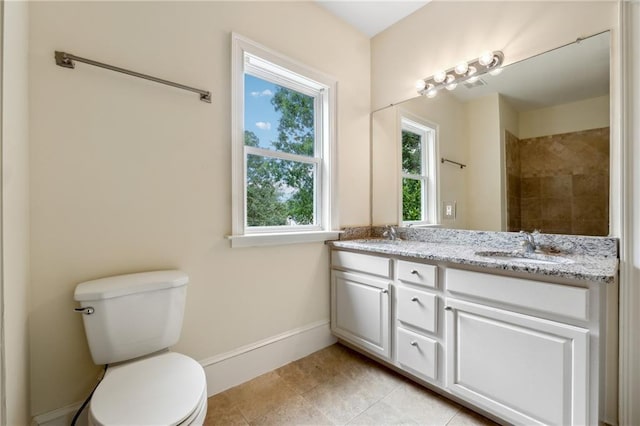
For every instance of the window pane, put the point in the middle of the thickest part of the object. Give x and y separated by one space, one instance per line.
278 118
279 192
411 199
411 153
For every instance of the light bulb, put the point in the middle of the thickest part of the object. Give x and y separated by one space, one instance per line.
432 93
451 86
440 76
461 68
485 58
495 71
420 85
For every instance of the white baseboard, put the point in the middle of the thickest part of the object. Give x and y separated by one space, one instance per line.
233 368
61 417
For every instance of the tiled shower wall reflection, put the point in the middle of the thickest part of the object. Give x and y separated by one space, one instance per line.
559 183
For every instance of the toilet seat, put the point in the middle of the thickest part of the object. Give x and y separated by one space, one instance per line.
166 389
198 416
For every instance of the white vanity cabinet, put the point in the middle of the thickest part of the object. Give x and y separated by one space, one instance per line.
523 350
509 350
360 301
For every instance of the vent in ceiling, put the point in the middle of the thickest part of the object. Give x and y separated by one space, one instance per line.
477 83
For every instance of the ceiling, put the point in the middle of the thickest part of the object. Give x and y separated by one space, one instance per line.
371 17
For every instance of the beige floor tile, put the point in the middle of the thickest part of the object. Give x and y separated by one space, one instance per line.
340 399
335 386
377 380
424 406
306 373
338 359
221 412
468 418
296 411
260 395
381 414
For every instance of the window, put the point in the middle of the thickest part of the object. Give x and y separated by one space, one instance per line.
282 149
419 186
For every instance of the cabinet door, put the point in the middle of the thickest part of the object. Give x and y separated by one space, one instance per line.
525 369
360 311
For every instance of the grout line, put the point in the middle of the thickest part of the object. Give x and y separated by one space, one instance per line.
453 417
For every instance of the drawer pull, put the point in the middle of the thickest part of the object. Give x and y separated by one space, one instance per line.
385 291
415 299
415 272
413 343
448 308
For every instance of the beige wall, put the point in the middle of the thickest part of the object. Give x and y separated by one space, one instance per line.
443 33
484 171
385 166
571 117
128 175
15 211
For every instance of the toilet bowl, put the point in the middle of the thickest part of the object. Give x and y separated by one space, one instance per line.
131 320
166 389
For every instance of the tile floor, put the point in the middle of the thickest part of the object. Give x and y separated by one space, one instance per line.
335 386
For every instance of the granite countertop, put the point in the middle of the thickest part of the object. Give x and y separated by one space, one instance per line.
573 264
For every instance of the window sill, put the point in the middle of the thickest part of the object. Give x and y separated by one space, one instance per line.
256 240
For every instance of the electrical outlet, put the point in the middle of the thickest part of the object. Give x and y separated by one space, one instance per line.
449 210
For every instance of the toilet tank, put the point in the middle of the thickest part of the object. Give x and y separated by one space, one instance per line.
132 315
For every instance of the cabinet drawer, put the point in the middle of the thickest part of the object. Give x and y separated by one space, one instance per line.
417 353
417 273
416 308
545 297
361 262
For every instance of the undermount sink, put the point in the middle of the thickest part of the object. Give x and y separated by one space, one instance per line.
515 256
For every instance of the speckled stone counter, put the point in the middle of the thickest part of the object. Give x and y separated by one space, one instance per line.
579 258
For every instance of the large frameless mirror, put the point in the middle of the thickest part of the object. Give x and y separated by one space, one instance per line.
533 140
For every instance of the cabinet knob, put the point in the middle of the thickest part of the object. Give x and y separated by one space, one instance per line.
415 299
415 272
448 308
414 343
385 291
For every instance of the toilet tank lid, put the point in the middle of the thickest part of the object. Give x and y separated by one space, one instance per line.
122 285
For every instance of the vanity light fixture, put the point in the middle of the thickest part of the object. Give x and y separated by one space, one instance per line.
470 72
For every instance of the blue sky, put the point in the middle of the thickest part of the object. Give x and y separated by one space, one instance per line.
259 115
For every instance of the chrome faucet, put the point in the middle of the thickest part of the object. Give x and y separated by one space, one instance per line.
529 244
390 232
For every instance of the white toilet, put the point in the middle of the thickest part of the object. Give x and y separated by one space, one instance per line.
130 322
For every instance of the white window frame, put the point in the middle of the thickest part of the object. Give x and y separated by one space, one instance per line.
259 61
429 174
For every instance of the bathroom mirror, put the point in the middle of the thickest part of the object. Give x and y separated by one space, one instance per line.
534 142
